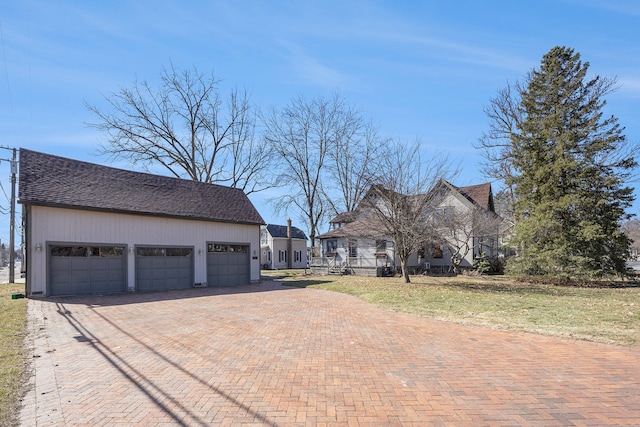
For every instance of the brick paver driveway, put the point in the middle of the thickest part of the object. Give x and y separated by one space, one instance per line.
272 355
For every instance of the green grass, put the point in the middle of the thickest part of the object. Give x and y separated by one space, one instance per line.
13 359
608 315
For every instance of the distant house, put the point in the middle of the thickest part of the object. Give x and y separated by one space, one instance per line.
92 229
282 246
356 243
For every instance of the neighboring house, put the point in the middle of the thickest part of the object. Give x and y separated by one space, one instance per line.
356 243
92 229
282 246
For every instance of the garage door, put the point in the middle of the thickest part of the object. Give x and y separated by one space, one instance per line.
83 270
163 268
227 265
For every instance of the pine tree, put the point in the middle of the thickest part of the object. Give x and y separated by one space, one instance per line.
570 167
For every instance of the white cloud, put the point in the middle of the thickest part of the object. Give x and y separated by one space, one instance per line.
630 85
312 70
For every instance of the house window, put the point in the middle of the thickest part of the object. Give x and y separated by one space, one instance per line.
353 248
269 256
282 256
443 212
436 252
381 246
332 245
297 256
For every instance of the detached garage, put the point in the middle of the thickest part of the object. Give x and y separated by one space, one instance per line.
92 229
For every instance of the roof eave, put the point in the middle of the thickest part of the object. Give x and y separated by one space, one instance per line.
131 212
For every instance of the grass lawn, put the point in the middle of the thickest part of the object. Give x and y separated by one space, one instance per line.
608 315
13 363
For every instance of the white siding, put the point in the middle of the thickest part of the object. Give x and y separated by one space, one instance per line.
451 201
280 244
55 225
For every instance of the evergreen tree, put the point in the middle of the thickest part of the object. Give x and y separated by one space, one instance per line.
570 165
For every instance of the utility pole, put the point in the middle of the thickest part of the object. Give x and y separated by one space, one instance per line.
12 224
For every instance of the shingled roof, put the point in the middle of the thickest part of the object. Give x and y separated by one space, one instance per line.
481 194
279 231
54 181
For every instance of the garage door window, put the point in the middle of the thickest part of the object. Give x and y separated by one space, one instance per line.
219 248
171 252
87 251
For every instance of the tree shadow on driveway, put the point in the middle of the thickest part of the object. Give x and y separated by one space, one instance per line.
160 397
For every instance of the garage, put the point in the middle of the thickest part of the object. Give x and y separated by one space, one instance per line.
87 269
163 268
93 229
227 264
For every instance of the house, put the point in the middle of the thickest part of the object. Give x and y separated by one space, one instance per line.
282 246
356 242
92 229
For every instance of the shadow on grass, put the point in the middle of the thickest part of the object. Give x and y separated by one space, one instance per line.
303 283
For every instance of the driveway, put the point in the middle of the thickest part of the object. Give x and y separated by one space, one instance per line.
273 355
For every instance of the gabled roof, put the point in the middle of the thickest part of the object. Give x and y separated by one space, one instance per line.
481 194
344 217
280 231
368 226
49 180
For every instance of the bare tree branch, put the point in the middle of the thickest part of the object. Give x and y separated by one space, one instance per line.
456 226
181 125
403 196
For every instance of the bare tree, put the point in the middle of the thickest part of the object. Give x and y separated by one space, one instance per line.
302 136
402 198
184 126
457 226
355 158
505 115
503 201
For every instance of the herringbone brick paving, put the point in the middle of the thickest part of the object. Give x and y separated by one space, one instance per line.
272 355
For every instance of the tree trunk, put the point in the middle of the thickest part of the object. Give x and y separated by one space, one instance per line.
455 262
405 271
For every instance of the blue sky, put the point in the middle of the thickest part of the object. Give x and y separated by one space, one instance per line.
417 68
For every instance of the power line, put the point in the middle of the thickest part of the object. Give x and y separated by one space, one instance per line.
5 194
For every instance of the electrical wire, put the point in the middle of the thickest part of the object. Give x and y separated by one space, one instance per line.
4 210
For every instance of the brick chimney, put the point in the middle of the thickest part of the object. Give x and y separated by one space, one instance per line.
289 245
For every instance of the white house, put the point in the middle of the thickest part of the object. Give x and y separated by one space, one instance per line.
92 229
357 244
282 247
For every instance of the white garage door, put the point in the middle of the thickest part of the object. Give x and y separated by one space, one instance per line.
227 264
86 269
163 268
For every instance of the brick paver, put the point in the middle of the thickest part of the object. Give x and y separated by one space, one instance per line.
272 355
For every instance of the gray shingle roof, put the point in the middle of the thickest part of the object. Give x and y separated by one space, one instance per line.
281 231
60 182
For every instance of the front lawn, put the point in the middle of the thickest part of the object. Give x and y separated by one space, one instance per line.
605 314
13 314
